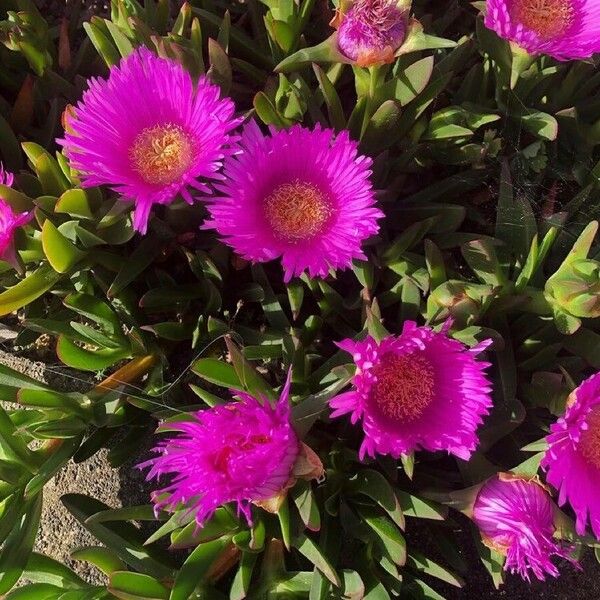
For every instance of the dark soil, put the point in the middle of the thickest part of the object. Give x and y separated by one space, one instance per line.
54 10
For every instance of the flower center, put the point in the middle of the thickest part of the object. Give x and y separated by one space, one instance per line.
547 18
236 445
297 211
161 154
589 444
404 386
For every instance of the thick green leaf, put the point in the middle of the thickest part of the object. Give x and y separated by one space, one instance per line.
136 586
35 591
541 124
141 258
247 374
412 506
407 85
315 555
101 557
374 485
196 568
43 569
29 289
422 563
241 581
218 372
76 203
87 360
62 254
123 539
387 532
17 548
307 506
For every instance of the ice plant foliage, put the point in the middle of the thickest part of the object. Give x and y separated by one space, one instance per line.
564 29
242 452
149 132
299 194
572 460
9 220
371 31
516 518
418 390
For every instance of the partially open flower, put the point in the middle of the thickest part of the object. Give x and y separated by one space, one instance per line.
572 460
149 132
516 518
9 221
563 29
419 390
243 452
371 31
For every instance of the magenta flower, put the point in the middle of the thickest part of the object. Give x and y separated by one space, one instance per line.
9 221
516 518
301 195
572 460
149 132
371 31
242 452
419 390
563 29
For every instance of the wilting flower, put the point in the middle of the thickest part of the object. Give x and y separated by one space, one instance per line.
299 194
564 29
149 132
419 390
516 518
244 452
9 220
371 31
572 460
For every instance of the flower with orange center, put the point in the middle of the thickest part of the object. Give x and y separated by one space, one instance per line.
572 461
299 194
149 132
564 29
418 390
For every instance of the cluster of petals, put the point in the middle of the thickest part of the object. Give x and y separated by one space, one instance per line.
516 518
242 452
419 390
563 29
300 194
9 219
149 132
572 461
371 31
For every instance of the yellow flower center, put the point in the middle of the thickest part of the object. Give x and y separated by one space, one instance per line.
297 211
547 18
589 445
404 386
161 154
